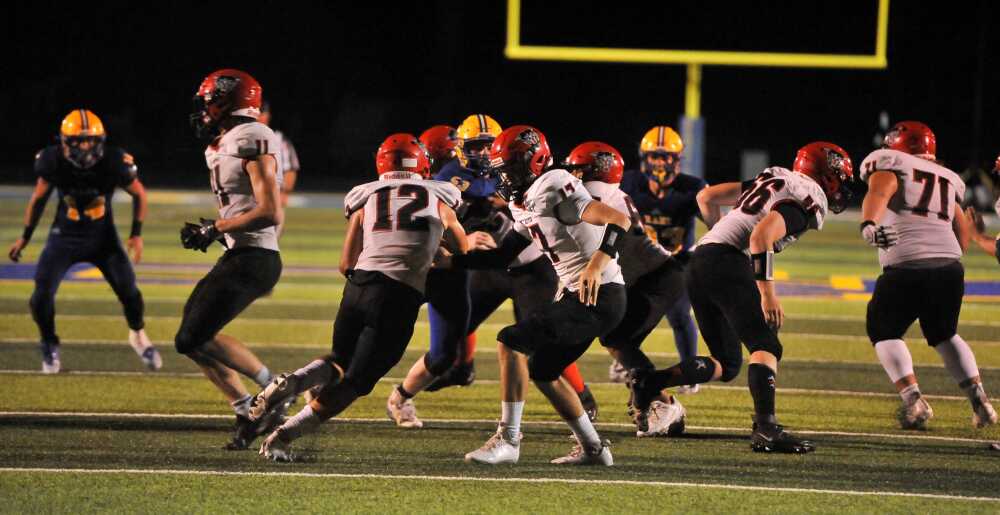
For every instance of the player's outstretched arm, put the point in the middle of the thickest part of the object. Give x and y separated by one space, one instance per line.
268 212
140 207
454 234
711 199
353 242
770 229
33 213
989 245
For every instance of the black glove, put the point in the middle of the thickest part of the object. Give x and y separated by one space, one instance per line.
199 237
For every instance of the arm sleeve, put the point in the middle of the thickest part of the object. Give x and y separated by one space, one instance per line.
510 246
796 220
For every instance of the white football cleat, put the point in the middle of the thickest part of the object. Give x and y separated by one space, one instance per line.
914 415
617 373
144 348
280 392
404 414
580 455
498 449
664 419
688 389
50 358
983 414
275 448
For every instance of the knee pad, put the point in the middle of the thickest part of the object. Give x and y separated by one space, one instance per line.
700 370
526 337
540 371
186 342
440 360
730 369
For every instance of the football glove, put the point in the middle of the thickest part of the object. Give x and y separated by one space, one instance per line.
200 236
880 236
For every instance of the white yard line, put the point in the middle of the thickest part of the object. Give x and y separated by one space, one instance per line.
467 421
538 480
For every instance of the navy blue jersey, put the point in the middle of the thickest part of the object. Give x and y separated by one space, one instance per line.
476 212
84 194
669 220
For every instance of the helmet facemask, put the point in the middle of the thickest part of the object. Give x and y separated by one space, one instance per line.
663 173
212 107
83 151
476 155
837 183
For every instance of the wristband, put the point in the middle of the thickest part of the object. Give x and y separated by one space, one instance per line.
136 229
611 243
28 231
763 266
864 224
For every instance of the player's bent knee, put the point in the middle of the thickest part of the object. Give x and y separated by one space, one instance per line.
361 386
186 342
729 372
543 372
439 362
701 370
771 345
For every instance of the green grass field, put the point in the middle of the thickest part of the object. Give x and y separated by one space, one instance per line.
107 437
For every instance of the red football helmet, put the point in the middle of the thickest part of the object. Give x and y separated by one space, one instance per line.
402 152
519 155
440 142
911 137
224 93
598 161
830 166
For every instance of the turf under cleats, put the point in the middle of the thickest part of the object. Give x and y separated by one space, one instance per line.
774 438
404 414
584 455
983 414
276 396
914 415
144 348
50 358
275 448
458 375
497 450
664 419
617 372
589 403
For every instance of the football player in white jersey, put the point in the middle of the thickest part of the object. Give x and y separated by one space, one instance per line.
395 228
245 176
734 298
289 159
581 237
913 214
654 281
989 245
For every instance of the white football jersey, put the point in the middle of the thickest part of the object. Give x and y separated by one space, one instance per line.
770 188
921 210
639 255
226 158
402 224
502 220
568 245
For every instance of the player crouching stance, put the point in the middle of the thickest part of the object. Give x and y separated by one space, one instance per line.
395 229
548 207
912 213
769 213
245 176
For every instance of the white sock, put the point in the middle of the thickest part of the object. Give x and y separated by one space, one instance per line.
242 405
910 394
958 359
510 418
584 430
303 422
262 377
895 359
317 372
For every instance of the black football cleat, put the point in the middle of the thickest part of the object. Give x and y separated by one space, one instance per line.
245 431
643 394
459 375
589 403
773 438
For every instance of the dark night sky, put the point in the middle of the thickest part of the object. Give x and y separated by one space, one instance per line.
342 77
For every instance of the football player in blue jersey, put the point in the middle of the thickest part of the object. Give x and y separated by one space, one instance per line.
666 200
86 173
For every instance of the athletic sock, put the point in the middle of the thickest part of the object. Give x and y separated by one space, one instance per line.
303 422
895 359
262 377
510 418
242 405
317 372
958 359
584 430
573 377
761 381
470 349
910 394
